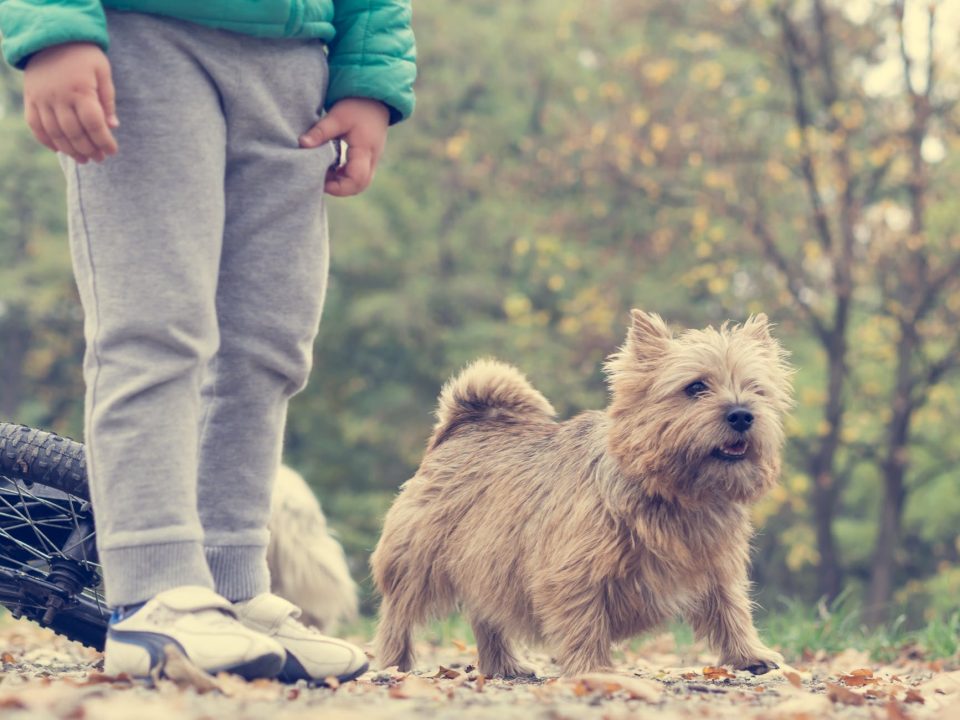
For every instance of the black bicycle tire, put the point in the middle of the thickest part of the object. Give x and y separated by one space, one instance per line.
37 457
83 625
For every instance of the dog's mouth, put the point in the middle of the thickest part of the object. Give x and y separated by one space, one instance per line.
732 451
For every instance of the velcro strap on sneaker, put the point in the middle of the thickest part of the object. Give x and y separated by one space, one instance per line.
268 610
193 598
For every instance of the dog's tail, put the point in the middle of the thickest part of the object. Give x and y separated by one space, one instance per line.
487 389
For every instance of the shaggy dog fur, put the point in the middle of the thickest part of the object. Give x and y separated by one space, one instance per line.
596 529
307 565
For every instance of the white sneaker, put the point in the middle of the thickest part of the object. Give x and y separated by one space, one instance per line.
311 656
201 624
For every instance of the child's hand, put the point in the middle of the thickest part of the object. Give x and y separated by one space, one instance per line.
362 123
68 100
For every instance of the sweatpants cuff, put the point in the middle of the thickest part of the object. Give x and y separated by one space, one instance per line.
239 571
137 573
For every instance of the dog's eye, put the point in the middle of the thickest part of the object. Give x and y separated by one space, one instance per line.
696 389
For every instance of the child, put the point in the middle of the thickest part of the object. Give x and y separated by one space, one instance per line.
198 238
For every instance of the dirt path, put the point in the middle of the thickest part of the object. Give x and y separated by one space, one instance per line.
46 677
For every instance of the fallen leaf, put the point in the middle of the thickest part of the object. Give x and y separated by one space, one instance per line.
717 673
840 694
859 678
182 672
480 682
447 673
414 687
7 658
895 711
610 683
912 696
460 645
794 679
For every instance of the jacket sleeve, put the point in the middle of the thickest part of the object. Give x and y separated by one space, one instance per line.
29 26
373 54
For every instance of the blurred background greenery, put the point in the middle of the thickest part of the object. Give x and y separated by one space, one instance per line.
571 160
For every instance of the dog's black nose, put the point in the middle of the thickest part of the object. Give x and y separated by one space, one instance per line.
740 419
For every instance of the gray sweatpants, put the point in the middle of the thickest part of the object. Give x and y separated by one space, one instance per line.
200 252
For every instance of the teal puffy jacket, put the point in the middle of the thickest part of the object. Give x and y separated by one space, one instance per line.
372 52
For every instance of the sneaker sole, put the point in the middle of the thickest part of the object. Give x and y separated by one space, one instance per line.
265 666
297 673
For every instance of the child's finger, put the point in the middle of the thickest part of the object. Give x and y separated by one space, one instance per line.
73 129
94 123
107 95
329 126
354 177
32 116
56 134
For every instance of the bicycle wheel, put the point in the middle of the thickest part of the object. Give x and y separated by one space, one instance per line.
49 571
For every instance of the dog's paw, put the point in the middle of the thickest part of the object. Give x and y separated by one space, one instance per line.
510 672
759 662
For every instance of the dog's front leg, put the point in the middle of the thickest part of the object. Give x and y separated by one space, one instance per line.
575 623
722 617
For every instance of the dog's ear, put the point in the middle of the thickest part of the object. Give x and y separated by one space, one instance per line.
648 334
758 327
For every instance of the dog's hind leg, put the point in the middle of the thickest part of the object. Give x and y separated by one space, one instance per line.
394 640
496 653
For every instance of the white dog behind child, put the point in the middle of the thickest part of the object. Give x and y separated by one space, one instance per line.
307 564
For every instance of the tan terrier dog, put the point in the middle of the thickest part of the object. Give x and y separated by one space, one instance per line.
596 529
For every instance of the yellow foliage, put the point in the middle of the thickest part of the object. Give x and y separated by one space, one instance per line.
659 71
581 94
718 284
716 179
700 219
777 171
456 144
659 136
569 325
704 250
639 116
521 246
516 305
709 73
572 262
611 91
556 282
598 133
761 85
647 157
793 139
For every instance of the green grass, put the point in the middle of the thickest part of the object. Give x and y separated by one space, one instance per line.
794 628
800 626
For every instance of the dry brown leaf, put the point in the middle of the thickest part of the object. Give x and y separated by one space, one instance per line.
414 687
912 696
480 682
610 683
460 645
794 679
895 711
689 676
181 671
7 658
446 673
717 673
840 694
859 678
